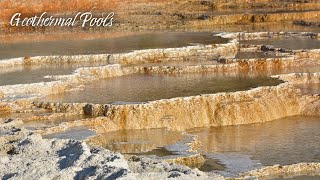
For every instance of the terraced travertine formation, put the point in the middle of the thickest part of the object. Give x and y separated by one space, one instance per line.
178 114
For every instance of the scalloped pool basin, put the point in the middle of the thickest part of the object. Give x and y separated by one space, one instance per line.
33 74
139 88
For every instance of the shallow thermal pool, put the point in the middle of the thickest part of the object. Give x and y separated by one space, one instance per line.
231 149
284 141
291 43
33 74
108 45
143 87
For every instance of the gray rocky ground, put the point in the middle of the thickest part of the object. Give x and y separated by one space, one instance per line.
26 155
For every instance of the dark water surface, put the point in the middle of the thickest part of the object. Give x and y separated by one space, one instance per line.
34 74
109 45
285 141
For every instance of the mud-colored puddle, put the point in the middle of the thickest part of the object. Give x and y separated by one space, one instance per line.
244 147
291 43
211 165
108 45
142 87
147 142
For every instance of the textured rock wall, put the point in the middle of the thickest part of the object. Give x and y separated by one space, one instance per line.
314 54
264 35
300 78
263 65
202 52
268 103
253 18
310 105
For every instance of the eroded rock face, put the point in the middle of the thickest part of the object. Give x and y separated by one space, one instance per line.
311 105
193 161
268 103
301 78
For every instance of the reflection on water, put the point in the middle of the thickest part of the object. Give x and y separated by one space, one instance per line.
110 45
285 141
148 141
228 150
211 164
143 87
292 43
34 74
